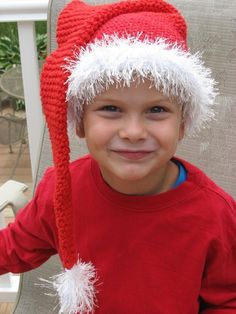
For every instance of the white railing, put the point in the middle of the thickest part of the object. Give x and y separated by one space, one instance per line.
25 13
8 283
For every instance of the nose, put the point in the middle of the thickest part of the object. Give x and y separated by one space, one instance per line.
133 129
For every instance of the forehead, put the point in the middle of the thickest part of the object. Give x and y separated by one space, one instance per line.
138 90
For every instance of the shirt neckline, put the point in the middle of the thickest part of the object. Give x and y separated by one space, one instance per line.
144 202
182 174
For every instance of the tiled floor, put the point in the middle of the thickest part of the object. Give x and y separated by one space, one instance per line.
7 162
6 308
23 170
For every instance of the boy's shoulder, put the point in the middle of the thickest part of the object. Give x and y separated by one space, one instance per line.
209 191
215 207
82 164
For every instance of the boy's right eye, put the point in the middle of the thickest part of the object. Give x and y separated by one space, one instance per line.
110 108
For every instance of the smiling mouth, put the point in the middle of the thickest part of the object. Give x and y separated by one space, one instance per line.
132 155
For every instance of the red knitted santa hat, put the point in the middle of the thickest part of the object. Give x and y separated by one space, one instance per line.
98 46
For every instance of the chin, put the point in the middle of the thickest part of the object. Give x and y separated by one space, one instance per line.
131 176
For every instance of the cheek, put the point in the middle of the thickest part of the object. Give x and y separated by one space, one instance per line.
168 130
97 132
168 135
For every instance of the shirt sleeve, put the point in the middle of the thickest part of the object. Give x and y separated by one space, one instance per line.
218 291
32 238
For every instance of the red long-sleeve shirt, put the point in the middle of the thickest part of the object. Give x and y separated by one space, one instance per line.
172 253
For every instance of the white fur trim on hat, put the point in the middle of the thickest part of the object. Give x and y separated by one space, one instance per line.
75 288
114 60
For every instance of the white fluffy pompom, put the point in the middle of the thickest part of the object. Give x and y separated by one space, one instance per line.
75 288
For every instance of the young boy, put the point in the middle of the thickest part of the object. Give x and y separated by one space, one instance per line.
137 229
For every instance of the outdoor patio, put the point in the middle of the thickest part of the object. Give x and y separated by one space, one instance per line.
6 308
22 174
7 161
25 13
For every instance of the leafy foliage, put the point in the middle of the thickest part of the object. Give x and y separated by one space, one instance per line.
10 51
41 41
10 55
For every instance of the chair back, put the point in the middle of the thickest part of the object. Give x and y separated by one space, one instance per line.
212 27
12 129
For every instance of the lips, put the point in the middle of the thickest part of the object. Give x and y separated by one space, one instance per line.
132 155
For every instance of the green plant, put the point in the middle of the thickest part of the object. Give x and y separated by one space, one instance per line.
41 41
7 28
41 27
19 105
9 52
10 55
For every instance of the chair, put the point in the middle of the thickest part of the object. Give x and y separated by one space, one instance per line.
211 26
13 131
215 150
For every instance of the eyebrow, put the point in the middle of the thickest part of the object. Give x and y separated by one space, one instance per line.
104 98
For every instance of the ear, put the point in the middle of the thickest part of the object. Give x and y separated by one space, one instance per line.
80 129
181 131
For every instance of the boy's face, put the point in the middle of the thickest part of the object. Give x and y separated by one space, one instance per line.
133 133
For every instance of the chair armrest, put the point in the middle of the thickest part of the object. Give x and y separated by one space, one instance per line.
12 193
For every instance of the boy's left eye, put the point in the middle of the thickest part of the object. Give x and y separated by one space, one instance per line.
157 109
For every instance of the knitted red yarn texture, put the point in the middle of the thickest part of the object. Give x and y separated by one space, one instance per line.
78 25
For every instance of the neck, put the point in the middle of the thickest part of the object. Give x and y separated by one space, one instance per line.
154 184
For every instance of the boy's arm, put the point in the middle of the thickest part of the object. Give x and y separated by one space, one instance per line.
219 287
31 239
218 291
